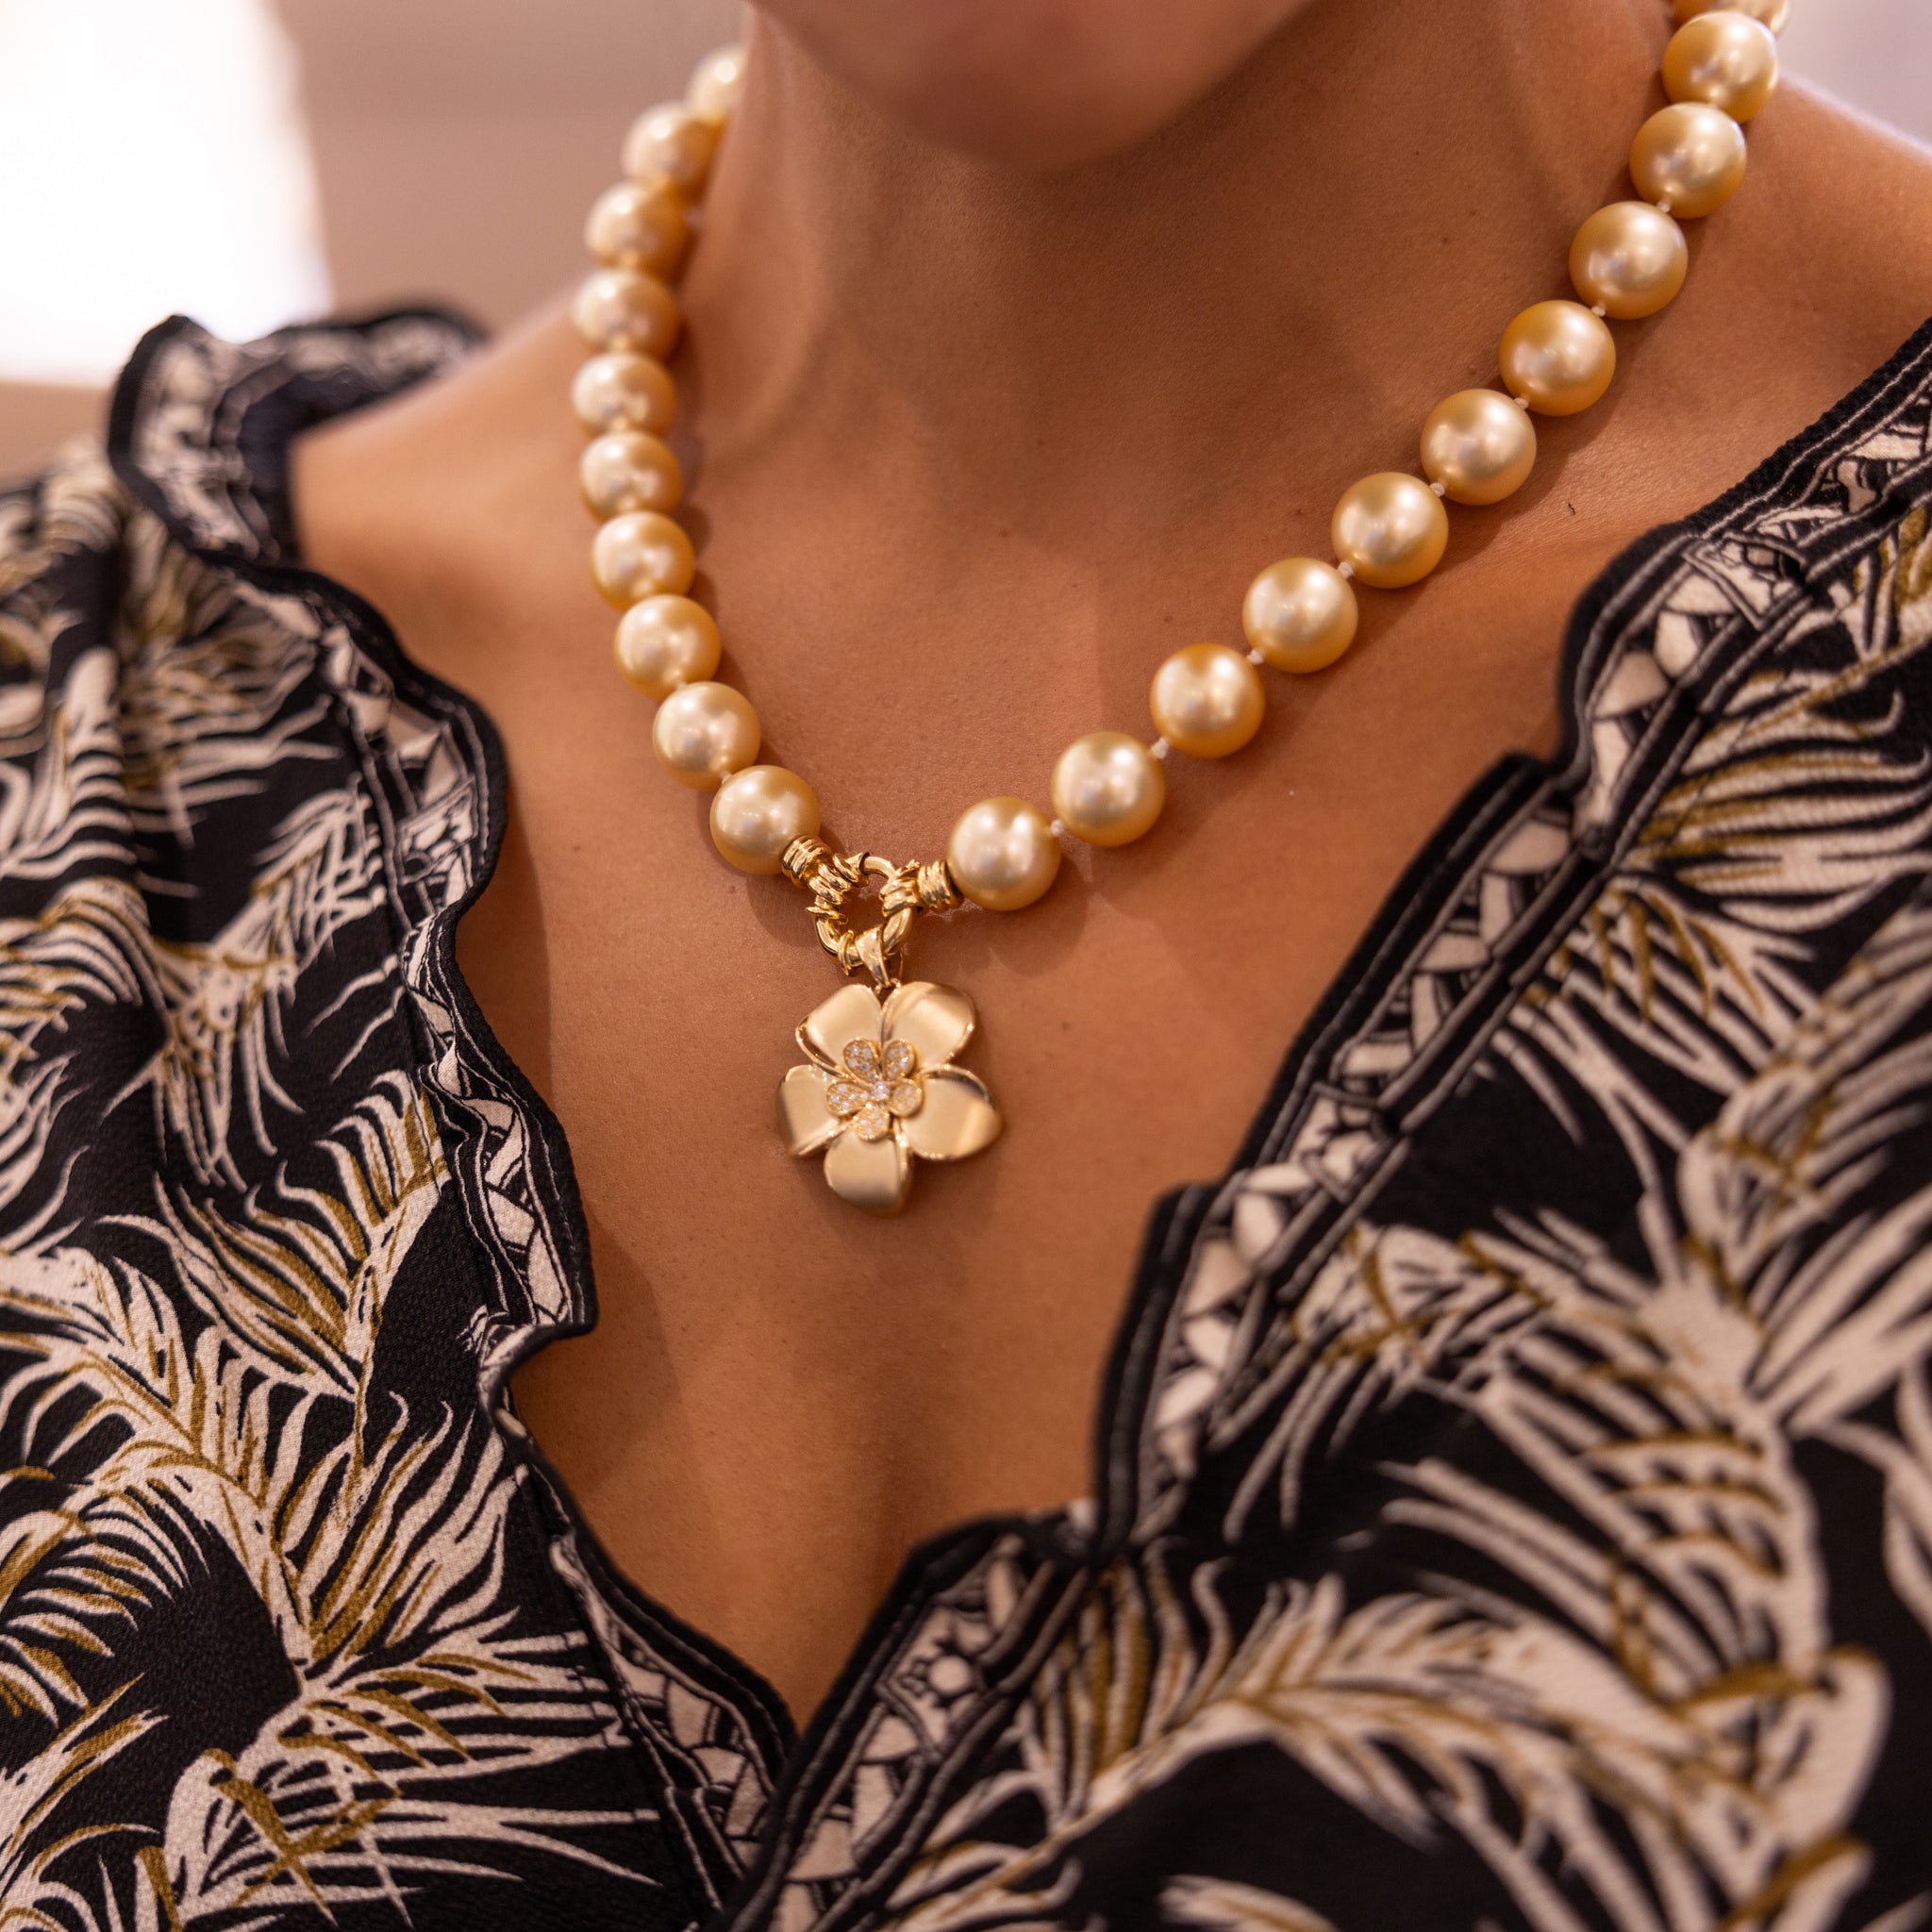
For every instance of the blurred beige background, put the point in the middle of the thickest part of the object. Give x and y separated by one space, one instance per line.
458 142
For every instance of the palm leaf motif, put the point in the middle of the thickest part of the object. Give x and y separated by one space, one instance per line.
63 810
31 1842
1787 1295
87 949
189 1420
1794 809
413 1686
1217 1904
74 511
301 1275
228 1000
378 1557
1420 1710
1378 1324
1147 1681
204 696
1788 1201
210 686
1655 1713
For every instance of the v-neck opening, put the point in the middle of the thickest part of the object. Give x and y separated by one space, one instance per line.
257 487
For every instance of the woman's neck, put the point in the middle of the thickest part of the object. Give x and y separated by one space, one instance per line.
1310 258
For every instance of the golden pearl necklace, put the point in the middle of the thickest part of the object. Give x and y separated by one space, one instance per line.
878 1086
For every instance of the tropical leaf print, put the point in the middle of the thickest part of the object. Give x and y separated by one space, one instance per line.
410 1678
1622 1687
1515 1509
1697 952
378 1561
31 1797
217 1176
1139 1688
229 1000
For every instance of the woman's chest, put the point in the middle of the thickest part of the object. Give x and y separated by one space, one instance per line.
784 1395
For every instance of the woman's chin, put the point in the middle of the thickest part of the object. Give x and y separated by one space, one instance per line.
1040 84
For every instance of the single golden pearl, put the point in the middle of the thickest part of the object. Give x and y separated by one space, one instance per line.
1773 14
1208 700
628 470
639 555
757 813
639 225
704 732
1003 854
1726 60
623 391
671 144
626 309
1479 446
1630 260
1108 788
1558 357
1690 157
717 84
1300 614
1391 529
664 642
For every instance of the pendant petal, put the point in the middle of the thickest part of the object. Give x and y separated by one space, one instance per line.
873 1175
807 1119
936 1020
957 1119
852 1013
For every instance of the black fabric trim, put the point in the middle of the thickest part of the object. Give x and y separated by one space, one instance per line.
270 426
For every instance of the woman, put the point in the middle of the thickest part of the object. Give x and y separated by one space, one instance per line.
1510 1500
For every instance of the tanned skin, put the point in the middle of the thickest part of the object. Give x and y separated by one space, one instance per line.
1010 360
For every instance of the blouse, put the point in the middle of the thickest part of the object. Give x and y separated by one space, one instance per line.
1515 1502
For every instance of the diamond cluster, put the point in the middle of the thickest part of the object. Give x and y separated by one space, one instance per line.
882 1084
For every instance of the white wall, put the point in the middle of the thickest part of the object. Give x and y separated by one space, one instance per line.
1876 53
459 143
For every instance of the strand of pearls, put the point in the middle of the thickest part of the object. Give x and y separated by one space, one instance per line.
1389 531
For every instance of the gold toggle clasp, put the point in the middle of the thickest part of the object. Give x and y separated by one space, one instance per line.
905 891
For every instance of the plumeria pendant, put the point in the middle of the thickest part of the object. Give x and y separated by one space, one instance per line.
879 1088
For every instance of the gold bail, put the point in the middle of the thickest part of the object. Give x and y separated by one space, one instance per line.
872 953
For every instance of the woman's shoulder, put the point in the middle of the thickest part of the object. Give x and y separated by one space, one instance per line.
1840 232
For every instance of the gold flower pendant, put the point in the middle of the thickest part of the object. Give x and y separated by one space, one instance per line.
879 1087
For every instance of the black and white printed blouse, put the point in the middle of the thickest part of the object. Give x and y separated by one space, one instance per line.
1517 1507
